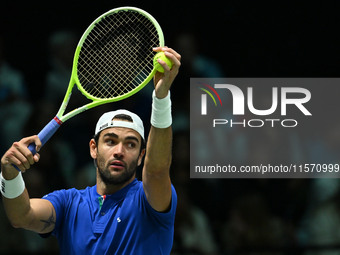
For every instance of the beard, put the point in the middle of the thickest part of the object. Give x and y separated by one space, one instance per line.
123 177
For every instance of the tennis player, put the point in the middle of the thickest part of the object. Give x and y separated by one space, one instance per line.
119 215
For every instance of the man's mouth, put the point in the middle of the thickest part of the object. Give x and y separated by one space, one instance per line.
117 164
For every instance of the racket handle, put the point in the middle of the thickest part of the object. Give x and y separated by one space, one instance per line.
45 134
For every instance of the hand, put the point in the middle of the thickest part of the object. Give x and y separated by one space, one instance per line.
20 156
163 81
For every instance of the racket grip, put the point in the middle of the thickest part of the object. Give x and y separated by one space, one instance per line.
45 134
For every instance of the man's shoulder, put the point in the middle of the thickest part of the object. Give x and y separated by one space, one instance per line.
70 193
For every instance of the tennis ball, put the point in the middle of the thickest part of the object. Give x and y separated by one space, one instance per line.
162 56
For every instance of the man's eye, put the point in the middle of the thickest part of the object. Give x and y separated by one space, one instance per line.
109 142
131 145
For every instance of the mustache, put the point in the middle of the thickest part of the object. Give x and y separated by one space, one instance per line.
111 162
117 162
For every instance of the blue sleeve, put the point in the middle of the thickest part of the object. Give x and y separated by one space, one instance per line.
59 200
163 218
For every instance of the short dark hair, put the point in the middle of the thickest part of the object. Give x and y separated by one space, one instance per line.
126 118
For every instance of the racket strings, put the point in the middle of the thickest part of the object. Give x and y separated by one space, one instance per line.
117 55
103 69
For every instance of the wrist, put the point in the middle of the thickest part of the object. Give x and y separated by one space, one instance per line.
161 110
161 94
9 174
12 188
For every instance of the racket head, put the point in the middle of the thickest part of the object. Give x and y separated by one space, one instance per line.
114 57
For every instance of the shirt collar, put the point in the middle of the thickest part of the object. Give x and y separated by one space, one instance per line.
115 196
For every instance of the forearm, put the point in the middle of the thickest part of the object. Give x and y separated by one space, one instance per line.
37 215
33 214
156 172
159 149
16 208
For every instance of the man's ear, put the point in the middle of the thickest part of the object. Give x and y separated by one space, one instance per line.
93 148
140 158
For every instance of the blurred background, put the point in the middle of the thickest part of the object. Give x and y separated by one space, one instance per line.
215 39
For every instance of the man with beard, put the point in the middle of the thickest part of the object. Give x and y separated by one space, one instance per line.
119 215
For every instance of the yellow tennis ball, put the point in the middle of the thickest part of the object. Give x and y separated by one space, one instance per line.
162 56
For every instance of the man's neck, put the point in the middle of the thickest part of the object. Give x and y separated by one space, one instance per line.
109 189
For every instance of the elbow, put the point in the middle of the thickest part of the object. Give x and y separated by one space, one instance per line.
18 223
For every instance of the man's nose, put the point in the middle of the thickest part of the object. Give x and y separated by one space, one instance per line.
119 150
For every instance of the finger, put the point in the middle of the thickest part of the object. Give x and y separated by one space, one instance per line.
32 139
36 157
13 157
37 143
157 49
12 161
175 61
172 51
167 49
163 64
23 153
26 153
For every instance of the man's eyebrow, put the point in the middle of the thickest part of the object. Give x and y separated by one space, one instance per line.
132 138
126 138
111 134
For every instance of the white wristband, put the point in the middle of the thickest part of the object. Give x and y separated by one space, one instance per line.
12 188
161 111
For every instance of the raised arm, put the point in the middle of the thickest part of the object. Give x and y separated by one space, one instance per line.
33 214
156 176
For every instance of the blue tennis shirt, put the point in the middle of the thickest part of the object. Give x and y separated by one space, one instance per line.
122 223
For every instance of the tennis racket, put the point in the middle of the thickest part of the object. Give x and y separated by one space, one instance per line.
113 60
